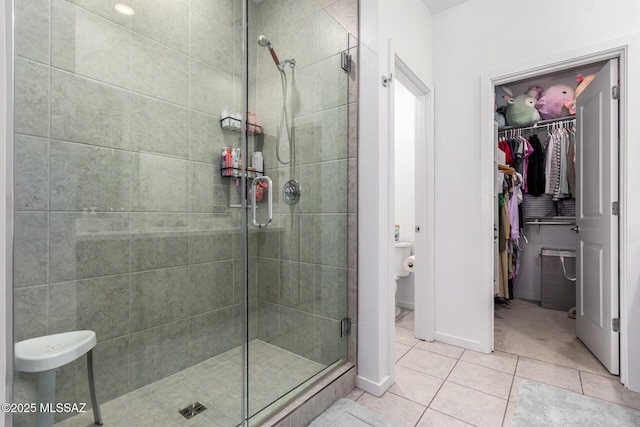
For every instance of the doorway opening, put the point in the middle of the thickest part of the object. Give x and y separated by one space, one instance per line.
556 287
411 195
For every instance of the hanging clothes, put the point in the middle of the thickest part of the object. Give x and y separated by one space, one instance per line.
549 180
535 170
503 253
527 153
504 146
571 163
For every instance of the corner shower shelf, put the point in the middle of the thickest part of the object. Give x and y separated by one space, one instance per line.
231 172
235 125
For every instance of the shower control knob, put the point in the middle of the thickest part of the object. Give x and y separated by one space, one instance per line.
292 192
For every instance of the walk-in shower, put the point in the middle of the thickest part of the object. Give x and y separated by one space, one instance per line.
131 197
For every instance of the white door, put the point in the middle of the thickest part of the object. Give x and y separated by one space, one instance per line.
597 190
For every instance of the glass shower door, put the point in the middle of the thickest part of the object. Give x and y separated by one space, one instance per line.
298 266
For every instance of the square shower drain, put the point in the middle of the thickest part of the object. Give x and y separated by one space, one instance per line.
192 410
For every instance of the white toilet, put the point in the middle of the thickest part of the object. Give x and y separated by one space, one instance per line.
402 252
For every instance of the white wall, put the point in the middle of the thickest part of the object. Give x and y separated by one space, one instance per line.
468 44
408 24
405 181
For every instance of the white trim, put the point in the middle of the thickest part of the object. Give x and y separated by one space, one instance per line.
407 305
459 341
377 389
618 48
424 246
387 170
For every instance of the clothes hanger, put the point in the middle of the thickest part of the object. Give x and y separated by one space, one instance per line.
507 169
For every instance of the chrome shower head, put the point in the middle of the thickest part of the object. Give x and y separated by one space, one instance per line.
264 42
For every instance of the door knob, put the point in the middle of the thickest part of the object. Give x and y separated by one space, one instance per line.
576 228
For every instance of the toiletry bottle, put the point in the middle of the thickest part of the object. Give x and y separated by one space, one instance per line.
257 163
397 233
223 162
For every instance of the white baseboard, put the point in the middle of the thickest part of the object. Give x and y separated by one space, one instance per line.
377 389
457 341
408 305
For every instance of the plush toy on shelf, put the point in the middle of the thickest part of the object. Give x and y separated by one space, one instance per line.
535 91
522 111
503 95
551 103
583 82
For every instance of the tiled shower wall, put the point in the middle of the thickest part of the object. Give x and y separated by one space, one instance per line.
123 223
307 262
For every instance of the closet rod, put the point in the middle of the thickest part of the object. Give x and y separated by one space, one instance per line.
540 124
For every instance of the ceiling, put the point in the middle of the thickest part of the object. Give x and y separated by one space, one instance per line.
437 6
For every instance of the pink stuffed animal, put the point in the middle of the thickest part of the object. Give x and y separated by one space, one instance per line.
583 82
551 103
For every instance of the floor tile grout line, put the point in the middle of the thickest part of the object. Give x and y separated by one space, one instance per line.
481 391
560 366
471 388
455 418
433 352
421 372
405 398
489 367
581 385
420 417
513 380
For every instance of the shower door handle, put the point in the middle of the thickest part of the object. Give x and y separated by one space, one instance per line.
254 184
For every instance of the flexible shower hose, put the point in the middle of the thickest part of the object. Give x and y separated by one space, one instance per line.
284 121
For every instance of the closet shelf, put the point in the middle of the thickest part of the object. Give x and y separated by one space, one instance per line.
231 172
539 124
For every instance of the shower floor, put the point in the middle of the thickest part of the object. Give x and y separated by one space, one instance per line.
215 383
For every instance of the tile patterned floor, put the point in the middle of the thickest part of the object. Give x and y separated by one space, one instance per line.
442 385
215 383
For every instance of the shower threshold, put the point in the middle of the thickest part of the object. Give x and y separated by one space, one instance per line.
216 383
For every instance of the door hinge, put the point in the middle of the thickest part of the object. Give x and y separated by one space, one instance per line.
345 327
615 92
615 208
345 63
386 81
615 323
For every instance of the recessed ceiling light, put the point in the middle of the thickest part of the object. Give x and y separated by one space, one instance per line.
124 9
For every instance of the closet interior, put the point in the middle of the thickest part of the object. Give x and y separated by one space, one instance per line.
535 217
